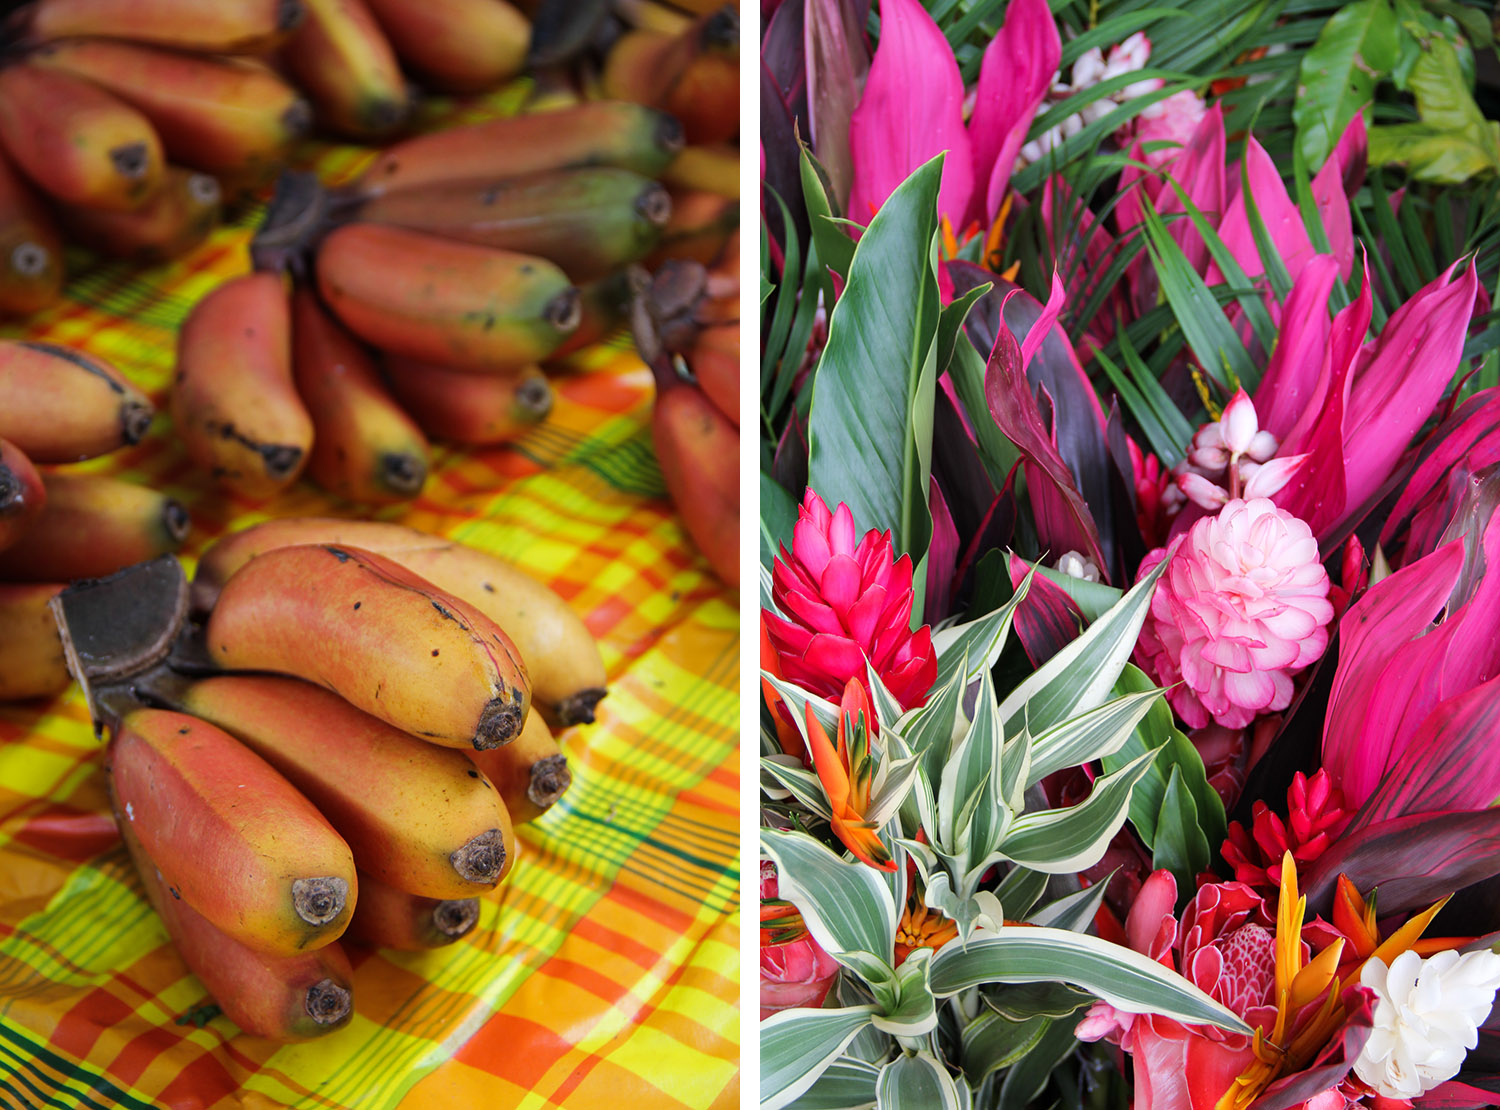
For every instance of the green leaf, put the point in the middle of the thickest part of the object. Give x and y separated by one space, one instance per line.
1124 978
847 906
835 247
996 451
1080 676
1355 49
951 322
846 1084
778 514
916 1082
972 648
1074 912
1025 1081
915 1011
797 1045
1024 1001
1180 847
803 785
1088 736
1062 841
870 428
992 1042
1158 732
1019 890
1454 141
1220 351
1093 599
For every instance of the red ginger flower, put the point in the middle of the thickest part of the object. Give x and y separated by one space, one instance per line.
844 603
1316 817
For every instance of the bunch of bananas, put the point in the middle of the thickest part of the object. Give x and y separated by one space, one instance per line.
345 750
57 406
424 296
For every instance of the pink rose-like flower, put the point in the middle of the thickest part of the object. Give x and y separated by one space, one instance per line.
794 969
1242 607
1225 946
843 603
1173 119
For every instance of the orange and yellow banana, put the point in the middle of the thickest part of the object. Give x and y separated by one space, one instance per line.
694 75
698 449
63 405
23 495
213 26
231 837
365 447
460 46
342 58
177 219
233 399
31 258
385 640
92 526
441 301
478 410
31 652
531 774
391 918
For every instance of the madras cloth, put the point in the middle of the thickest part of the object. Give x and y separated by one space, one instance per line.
605 972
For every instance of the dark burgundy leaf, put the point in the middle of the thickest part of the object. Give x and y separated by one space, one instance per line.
942 559
789 466
995 533
783 52
1332 1064
959 470
1130 546
1047 620
1414 860
778 134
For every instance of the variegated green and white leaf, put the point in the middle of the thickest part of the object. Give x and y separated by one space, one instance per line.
1080 676
767 601
1124 978
917 1082
847 906
797 1045
846 1084
1075 911
984 768
1015 762
895 775
1020 889
1024 1001
992 1042
970 649
930 730
915 1011
887 709
1088 736
1061 841
791 778
869 1044
1092 598
798 699
877 974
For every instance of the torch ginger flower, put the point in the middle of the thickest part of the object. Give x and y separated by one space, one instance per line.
844 604
1242 608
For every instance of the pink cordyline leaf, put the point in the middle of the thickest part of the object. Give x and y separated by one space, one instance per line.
1047 620
942 557
1352 154
1468 442
911 111
1064 522
1392 614
1410 368
1199 169
1282 219
1291 383
1015 73
1452 762
1043 326
837 60
1333 207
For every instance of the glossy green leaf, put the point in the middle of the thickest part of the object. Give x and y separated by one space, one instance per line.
1454 141
847 906
1027 1079
972 647
797 1045
1124 978
778 513
834 246
1355 49
996 451
870 428
992 1042
1180 847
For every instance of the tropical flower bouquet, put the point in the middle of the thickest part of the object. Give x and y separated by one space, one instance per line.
1130 638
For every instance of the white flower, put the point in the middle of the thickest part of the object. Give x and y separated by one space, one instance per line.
1076 565
1427 1016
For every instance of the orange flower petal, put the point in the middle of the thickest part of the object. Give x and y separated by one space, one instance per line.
831 771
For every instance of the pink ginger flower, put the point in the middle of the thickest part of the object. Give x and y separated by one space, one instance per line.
1316 816
1173 120
1225 946
844 603
794 969
1242 608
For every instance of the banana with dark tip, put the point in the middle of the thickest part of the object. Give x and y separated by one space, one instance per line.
459 46
32 664
700 226
75 140
604 305
597 133
177 219
279 997
62 405
232 838
211 26
342 58
233 400
531 774
233 117
416 816
365 447
391 918
478 410
31 257
437 300
92 526
385 640
588 221
23 495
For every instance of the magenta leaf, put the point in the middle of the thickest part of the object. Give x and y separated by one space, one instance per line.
1468 441
1333 208
1281 216
1413 860
1391 614
1063 520
911 111
1352 154
1451 763
1291 383
942 558
1414 361
1047 620
1014 75
1199 169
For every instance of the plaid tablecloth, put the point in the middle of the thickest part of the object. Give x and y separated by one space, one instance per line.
604 973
